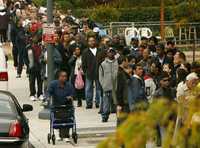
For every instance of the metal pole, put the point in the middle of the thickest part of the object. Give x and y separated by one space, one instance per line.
45 113
194 49
50 46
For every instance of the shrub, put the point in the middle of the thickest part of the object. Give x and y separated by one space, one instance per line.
139 128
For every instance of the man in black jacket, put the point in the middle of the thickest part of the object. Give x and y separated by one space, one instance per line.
21 47
122 88
90 68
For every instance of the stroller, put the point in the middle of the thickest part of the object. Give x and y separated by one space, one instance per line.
62 117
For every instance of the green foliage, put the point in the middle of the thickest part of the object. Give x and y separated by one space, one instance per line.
131 10
104 14
39 2
139 128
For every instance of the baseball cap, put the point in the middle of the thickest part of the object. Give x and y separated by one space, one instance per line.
192 76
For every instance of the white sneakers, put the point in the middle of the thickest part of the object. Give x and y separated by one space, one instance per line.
33 98
64 139
41 98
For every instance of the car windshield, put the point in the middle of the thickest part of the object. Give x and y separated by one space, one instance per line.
5 106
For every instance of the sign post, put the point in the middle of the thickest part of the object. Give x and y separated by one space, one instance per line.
48 37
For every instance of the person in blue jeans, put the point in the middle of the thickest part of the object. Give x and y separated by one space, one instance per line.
90 69
108 80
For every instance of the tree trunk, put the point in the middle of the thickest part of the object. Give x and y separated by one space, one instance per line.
162 19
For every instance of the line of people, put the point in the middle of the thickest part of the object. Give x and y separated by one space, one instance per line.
123 76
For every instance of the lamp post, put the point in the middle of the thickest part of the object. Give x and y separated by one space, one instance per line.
50 46
45 113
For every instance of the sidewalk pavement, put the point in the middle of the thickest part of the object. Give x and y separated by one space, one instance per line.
90 128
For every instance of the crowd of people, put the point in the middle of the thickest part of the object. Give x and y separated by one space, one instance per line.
123 76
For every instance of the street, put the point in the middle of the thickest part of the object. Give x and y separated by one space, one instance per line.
90 128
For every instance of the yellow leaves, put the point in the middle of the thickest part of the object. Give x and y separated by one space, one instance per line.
139 128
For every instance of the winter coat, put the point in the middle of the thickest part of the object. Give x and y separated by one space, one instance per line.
122 87
108 74
90 64
136 92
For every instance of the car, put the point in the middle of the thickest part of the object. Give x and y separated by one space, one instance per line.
3 70
14 127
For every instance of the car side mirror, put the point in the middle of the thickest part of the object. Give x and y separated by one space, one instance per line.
27 108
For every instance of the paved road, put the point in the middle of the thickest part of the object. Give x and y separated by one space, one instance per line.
89 123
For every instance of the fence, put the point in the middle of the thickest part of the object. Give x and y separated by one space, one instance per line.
186 35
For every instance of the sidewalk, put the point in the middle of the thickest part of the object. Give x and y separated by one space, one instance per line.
90 128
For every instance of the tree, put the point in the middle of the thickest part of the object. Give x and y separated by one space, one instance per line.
139 128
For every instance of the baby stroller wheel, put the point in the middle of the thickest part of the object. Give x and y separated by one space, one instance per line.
49 138
75 137
53 139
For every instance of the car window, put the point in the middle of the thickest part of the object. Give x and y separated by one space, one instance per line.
5 107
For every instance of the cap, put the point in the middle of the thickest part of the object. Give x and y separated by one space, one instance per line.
96 29
111 50
192 76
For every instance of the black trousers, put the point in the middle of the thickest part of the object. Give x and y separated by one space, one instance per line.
15 55
35 75
22 59
3 35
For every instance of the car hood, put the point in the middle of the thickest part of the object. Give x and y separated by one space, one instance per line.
5 122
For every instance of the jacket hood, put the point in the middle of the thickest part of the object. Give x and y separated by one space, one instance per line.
110 61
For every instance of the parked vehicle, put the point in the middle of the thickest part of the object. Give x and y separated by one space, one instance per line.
3 70
14 128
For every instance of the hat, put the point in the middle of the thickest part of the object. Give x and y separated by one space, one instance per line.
111 50
192 76
96 29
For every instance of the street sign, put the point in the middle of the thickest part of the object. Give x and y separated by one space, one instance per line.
48 33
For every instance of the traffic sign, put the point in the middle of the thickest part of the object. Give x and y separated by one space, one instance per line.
48 33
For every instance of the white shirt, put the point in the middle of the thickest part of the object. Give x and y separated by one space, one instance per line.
94 51
78 65
182 90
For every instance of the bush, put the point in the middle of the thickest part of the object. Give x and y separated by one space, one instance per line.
139 128
103 14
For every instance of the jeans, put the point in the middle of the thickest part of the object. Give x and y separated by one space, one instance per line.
106 104
35 75
89 91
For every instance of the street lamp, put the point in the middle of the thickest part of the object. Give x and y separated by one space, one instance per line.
45 113
50 63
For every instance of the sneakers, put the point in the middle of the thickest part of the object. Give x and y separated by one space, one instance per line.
18 76
105 119
66 139
33 98
41 98
58 138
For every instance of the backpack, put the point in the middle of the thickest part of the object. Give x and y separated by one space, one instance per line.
79 83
